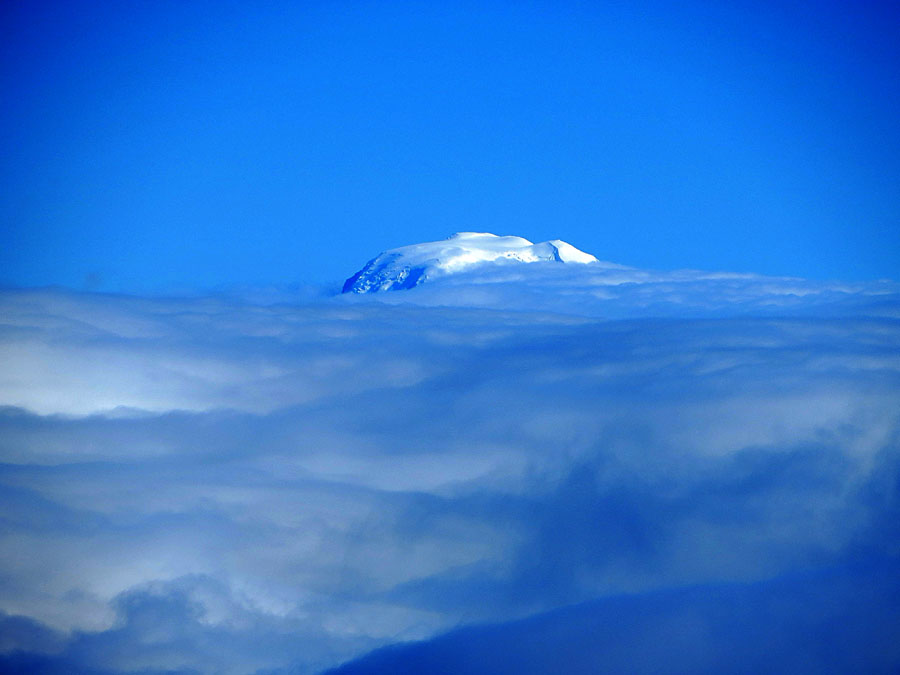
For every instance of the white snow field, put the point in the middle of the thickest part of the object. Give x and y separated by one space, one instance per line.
408 266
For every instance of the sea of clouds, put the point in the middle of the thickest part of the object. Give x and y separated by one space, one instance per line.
594 468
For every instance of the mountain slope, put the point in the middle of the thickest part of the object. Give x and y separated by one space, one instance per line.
408 266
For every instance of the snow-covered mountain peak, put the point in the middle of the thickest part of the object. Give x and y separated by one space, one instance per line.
409 266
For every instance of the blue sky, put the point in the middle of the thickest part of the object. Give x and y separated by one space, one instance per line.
157 145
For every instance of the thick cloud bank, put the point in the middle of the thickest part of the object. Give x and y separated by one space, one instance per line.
842 621
660 473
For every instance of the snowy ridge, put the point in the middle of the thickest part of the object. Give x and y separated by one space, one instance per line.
408 266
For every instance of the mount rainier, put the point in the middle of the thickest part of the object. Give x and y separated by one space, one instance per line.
408 266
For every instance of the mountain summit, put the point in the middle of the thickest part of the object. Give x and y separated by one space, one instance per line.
409 266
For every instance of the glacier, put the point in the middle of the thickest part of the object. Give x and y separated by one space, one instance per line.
408 266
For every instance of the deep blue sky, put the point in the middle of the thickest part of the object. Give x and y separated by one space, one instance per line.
151 145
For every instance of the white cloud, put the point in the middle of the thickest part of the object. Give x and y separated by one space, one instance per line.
307 481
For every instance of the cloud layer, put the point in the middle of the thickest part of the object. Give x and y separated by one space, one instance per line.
221 484
839 621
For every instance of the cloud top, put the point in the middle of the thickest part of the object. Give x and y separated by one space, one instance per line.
220 484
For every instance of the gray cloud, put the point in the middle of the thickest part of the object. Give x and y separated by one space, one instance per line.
222 484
